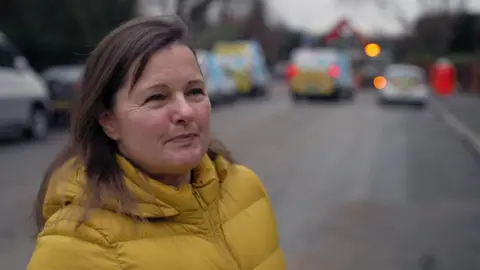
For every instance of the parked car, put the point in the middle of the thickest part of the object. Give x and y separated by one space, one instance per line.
25 105
403 83
63 81
321 72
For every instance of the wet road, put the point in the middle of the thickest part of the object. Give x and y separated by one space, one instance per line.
354 186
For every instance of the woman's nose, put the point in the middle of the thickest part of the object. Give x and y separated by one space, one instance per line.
183 110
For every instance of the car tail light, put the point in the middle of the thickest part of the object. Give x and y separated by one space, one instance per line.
334 71
292 71
77 86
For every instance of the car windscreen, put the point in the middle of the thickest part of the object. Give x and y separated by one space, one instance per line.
405 77
64 74
313 59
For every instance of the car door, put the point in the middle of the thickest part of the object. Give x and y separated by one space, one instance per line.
226 82
205 66
14 91
258 64
346 75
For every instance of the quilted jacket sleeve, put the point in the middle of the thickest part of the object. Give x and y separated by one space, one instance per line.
66 252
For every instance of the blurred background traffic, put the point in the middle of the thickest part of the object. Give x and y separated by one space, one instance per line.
362 117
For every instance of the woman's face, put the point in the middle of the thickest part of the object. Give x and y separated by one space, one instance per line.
163 123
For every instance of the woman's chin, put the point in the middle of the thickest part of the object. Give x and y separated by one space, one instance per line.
183 161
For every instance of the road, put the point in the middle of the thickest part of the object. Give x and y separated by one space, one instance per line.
466 107
354 185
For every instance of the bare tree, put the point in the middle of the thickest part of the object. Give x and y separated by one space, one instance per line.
181 7
432 30
194 12
393 8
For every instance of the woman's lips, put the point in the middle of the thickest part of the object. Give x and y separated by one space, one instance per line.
183 138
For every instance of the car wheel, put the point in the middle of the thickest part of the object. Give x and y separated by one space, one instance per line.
259 91
421 105
381 101
231 98
350 95
337 96
295 97
38 124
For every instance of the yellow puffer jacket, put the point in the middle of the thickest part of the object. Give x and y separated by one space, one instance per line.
223 220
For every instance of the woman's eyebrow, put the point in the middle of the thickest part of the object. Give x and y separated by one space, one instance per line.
157 85
151 87
196 81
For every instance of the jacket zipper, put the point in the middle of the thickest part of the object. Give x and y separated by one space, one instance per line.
211 224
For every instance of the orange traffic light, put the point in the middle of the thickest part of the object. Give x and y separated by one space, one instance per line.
372 50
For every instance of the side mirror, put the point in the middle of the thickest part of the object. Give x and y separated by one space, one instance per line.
20 63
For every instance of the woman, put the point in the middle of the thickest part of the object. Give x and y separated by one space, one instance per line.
141 184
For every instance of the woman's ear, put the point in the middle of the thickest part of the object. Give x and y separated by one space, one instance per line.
109 125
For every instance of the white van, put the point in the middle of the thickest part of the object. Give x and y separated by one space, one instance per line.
220 86
24 98
245 62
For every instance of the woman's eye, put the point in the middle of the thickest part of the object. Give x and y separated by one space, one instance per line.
195 91
156 97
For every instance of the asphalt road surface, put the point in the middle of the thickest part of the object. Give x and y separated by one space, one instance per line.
354 185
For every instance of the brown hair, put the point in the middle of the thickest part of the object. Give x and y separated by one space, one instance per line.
126 49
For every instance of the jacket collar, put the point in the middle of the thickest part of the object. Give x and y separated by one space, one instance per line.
153 199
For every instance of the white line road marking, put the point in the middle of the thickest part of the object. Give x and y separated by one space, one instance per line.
451 120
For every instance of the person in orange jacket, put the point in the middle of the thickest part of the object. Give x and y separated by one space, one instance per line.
141 183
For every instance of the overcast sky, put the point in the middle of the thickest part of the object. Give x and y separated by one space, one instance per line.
320 15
